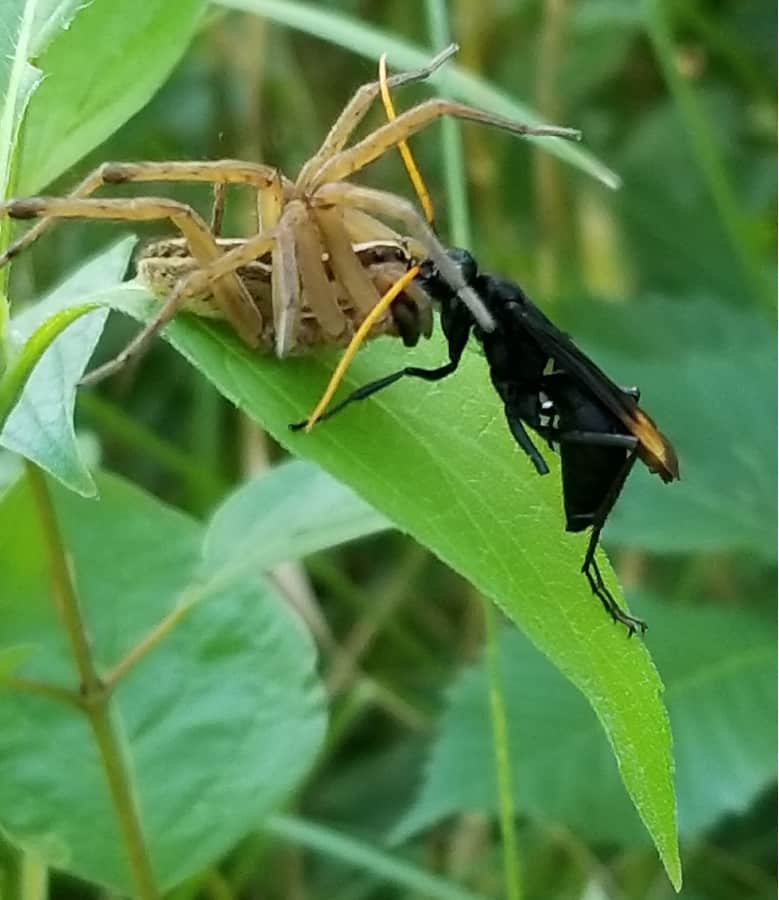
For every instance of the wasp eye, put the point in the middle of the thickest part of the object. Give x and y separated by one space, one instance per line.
427 269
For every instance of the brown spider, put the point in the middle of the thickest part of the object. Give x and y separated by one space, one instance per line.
162 264
319 217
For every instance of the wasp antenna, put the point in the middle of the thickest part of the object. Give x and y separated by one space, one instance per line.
354 345
405 153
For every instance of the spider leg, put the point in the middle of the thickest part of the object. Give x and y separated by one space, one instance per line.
318 290
229 291
197 283
218 208
347 162
346 266
285 291
177 300
226 171
362 227
354 112
393 207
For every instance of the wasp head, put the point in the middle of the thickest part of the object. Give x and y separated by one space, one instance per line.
438 285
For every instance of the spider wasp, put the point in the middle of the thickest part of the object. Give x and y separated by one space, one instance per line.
546 383
312 231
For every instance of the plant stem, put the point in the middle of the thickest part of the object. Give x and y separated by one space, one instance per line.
502 760
62 587
44 689
149 642
451 140
125 801
95 698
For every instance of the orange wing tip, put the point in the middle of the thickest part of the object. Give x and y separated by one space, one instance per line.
656 450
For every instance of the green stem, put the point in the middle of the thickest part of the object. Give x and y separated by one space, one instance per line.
451 140
147 643
44 689
704 145
92 690
125 801
502 758
62 585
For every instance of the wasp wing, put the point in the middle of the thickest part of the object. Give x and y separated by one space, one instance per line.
655 449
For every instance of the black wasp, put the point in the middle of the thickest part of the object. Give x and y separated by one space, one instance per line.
550 385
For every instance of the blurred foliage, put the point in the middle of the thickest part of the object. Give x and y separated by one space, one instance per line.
668 282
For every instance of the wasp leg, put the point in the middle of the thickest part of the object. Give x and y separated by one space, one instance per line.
457 330
598 586
598 520
367 390
523 439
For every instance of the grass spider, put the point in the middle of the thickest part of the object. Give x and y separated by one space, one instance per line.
302 224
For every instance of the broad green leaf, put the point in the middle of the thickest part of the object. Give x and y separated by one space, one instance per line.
293 510
11 658
438 461
100 71
40 427
207 718
708 376
357 37
719 668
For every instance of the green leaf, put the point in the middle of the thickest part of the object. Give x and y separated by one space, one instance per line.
40 427
100 71
16 376
719 668
11 658
357 37
302 509
439 462
17 78
207 718
51 17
